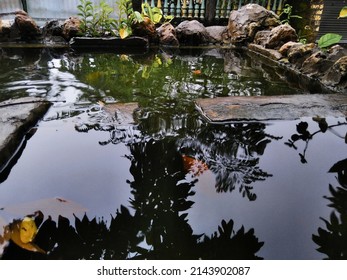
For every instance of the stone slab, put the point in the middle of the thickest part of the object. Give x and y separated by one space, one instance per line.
17 116
260 108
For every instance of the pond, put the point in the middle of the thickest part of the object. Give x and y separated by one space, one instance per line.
162 182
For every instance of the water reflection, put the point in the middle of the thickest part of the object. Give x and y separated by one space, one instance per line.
231 152
304 135
332 240
157 226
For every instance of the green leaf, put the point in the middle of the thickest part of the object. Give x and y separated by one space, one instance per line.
138 17
343 12
329 39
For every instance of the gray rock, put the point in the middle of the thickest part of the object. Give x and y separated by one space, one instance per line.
287 46
192 32
269 53
218 34
167 35
298 54
246 22
280 35
337 74
16 118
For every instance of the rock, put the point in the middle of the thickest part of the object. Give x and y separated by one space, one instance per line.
280 35
192 32
276 37
336 52
53 28
244 23
8 30
146 29
167 35
269 53
218 34
298 54
262 37
71 28
316 64
27 27
287 46
16 118
280 107
337 74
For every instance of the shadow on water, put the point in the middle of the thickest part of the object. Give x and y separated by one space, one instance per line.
169 148
156 227
332 240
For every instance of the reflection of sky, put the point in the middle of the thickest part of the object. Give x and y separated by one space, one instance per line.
60 162
289 205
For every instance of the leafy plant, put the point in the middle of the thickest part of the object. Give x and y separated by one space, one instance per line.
328 40
287 14
155 14
95 19
126 18
85 12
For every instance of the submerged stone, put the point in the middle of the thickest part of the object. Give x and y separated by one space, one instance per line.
260 108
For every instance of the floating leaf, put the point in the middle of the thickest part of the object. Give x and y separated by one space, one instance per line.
28 230
343 12
22 233
329 39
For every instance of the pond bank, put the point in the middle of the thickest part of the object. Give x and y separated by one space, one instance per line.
17 117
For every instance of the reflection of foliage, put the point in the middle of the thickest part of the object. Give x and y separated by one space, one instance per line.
332 241
230 151
304 134
156 228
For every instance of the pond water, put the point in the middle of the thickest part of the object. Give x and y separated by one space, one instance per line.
163 183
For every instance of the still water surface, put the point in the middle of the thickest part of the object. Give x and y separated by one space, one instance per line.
166 184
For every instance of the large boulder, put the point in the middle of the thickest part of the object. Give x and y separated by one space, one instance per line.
27 27
192 32
167 35
246 22
217 33
276 37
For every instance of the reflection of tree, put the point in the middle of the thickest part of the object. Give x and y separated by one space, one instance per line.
303 134
332 241
231 152
156 228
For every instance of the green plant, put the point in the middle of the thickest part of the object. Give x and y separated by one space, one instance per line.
330 39
126 18
155 14
95 19
287 15
85 12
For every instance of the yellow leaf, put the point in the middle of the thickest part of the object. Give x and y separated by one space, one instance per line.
343 12
28 230
123 32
